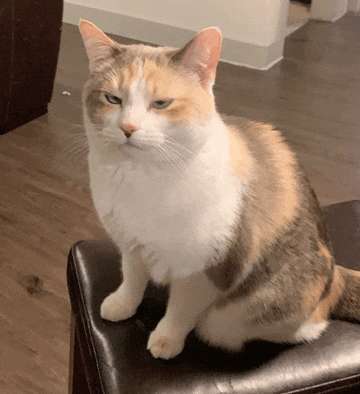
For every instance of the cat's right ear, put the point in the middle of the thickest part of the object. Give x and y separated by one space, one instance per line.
201 55
97 44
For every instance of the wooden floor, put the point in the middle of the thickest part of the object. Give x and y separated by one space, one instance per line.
313 96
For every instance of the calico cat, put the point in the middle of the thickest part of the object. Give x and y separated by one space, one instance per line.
218 208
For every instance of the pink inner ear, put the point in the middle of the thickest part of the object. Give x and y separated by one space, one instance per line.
97 44
203 55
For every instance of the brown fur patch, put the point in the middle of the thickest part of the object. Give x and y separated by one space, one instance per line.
257 277
348 307
224 273
293 275
324 308
330 263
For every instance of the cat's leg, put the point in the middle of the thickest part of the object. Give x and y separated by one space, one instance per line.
296 329
224 326
309 331
189 298
315 324
123 303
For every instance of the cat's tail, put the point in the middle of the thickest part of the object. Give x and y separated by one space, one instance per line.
347 306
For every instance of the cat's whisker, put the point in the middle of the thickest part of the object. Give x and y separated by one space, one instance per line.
176 160
75 135
174 148
176 155
65 121
168 159
176 164
177 143
159 155
168 152
78 140
164 155
75 151
109 134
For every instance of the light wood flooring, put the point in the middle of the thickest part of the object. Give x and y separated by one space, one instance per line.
313 96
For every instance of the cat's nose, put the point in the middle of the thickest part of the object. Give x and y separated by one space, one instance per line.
128 128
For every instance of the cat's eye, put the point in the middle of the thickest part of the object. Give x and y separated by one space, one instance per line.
161 104
113 99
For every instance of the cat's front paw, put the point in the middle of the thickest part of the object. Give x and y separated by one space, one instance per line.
164 347
116 308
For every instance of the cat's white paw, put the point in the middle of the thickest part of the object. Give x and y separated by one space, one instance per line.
164 347
116 308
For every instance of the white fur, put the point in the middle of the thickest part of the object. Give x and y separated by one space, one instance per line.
177 215
189 298
123 303
310 331
168 201
229 327
178 220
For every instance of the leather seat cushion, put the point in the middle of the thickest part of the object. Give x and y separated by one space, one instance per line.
117 361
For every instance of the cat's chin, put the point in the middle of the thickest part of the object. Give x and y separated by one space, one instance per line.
131 146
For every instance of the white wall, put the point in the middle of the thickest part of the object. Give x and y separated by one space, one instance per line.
259 22
332 10
354 5
328 10
256 23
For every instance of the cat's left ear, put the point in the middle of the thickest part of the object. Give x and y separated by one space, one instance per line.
98 45
201 55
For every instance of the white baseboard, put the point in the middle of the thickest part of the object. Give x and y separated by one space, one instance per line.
234 52
328 10
354 5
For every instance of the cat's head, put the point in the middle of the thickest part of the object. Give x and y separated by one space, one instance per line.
146 99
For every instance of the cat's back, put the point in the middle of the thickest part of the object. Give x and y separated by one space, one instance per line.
276 188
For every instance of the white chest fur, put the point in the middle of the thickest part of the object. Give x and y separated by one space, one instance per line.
176 220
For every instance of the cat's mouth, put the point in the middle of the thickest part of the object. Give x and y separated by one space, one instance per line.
132 145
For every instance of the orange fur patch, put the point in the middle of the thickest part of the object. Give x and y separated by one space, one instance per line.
284 161
242 161
190 101
311 296
103 110
128 75
315 291
119 83
326 253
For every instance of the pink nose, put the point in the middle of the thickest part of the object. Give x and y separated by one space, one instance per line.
128 128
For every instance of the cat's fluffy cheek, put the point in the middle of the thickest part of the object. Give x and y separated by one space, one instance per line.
191 136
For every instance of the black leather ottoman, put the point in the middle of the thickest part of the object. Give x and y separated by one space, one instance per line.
112 357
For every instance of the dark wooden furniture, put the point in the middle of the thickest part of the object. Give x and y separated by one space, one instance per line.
112 357
29 46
